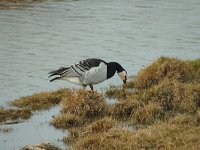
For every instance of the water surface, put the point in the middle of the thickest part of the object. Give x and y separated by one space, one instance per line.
40 37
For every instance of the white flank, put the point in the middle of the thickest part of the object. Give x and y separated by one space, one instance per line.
74 80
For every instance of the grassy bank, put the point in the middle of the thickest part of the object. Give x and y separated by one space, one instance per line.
158 109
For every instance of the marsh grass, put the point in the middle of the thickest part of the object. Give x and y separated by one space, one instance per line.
123 110
158 103
148 114
117 93
101 125
163 68
91 129
42 100
181 132
65 121
88 104
42 146
121 92
14 114
195 65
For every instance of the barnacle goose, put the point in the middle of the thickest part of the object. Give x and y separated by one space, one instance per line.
89 72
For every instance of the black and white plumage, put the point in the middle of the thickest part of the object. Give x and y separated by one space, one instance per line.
89 72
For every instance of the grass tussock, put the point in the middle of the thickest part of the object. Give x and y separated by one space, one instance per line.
159 102
165 68
43 100
72 136
174 96
101 125
66 121
195 65
88 104
117 93
123 110
98 126
14 114
42 146
130 84
148 114
174 134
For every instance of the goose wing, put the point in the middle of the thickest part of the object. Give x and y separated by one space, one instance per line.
75 70
87 64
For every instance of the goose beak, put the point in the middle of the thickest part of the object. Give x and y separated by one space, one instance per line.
124 81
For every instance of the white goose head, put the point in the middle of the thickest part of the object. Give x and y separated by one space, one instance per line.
123 75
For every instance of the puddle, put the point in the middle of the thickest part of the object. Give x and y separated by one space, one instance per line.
111 101
129 127
36 130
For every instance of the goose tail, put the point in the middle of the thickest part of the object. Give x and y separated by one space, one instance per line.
59 73
56 78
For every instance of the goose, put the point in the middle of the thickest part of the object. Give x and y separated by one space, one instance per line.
89 72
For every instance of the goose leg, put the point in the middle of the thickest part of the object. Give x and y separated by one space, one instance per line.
91 86
84 87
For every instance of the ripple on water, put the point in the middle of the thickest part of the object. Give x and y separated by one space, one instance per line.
33 131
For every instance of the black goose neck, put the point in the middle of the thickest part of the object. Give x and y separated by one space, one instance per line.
112 68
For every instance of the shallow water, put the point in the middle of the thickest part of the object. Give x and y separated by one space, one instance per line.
34 131
40 37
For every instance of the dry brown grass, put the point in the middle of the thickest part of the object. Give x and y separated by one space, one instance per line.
123 110
130 84
14 114
148 114
163 68
174 134
117 93
196 66
121 93
84 103
66 121
158 103
72 136
101 125
42 146
173 96
43 100
97 126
